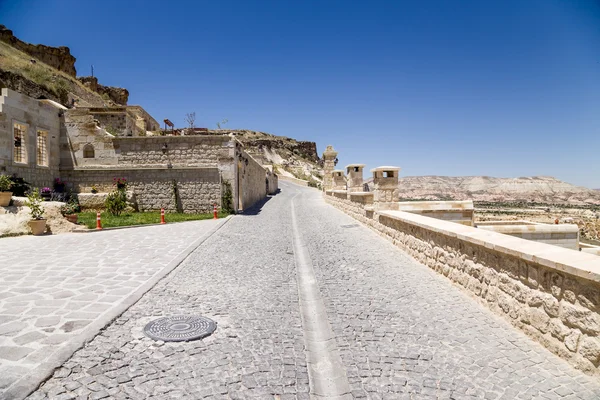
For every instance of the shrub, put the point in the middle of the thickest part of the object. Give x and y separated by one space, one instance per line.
72 207
227 198
19 186
34 202
5 183
116 202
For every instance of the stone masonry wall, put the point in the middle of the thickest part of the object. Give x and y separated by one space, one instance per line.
16 107
563 235
550 293
254 186
197 188
190 151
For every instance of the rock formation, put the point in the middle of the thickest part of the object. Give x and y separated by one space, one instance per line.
542 189
56 57
116 94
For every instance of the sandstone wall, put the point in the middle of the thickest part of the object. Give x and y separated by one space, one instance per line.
551 293
189 151
563 235
461 212
16 107
80 130
191 190
253 182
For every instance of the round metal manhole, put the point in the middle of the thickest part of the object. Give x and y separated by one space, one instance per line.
180 328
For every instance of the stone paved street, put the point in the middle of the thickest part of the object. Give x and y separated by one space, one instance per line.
55 290
402 331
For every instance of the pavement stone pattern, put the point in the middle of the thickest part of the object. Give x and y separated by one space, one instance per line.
402 331
405 332
243 278
53 287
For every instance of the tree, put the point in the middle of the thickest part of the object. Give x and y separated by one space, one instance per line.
190 119
222 123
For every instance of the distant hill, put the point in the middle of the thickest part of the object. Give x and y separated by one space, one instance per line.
543 189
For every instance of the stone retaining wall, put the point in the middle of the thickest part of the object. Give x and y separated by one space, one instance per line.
562 235
253 180
197 189
189 151
460 212
550 293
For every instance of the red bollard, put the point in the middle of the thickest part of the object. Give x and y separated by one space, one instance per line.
215 212
98 222
162 216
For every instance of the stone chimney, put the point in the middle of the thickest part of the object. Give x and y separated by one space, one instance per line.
385 188
329 161
339 180
355 177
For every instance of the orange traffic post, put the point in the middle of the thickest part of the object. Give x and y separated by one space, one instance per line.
215 212
162 216
98 221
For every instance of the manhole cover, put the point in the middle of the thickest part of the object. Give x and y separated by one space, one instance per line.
180 328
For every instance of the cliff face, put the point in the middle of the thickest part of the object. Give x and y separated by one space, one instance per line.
116 94
59 58
49 72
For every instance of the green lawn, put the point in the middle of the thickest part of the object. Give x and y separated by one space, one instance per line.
138 218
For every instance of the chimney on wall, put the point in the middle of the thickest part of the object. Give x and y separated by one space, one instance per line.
339 180
385 188
355 177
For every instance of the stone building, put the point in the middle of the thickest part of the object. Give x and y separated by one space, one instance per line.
41 140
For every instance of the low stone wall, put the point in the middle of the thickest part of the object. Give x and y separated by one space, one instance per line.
550 293
191 190
562 235
460 212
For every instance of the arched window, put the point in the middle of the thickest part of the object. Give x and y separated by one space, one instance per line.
88 151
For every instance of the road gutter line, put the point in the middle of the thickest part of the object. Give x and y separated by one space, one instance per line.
326 373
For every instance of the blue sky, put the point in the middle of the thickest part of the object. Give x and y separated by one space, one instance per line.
499 88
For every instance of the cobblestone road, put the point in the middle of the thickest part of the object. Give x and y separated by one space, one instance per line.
401 330
54 289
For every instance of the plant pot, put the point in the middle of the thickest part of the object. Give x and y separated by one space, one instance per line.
5 198
38 226
72 218
46 196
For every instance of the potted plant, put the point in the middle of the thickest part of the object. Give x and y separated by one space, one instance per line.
121 183
70 210
46 193
94 189
5 193
59 185
37 222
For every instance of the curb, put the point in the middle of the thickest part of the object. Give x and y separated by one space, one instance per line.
114 228
32 380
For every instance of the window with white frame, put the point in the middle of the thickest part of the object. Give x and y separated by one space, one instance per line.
20 145
42 148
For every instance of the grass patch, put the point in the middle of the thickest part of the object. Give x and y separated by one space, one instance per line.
139 218
59 82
